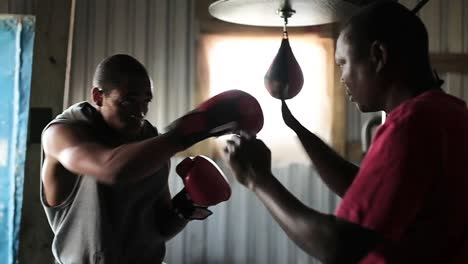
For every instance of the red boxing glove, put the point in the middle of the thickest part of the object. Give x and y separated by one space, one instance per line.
204 182
233 106
228 112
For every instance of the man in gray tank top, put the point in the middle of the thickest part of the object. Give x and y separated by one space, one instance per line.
104 174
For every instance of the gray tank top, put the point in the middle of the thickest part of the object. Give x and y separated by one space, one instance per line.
101 223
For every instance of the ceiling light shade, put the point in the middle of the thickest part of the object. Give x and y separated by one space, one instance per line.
268 12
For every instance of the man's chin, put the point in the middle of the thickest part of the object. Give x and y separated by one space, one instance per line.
133 130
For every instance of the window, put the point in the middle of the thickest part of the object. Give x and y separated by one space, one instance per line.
241 63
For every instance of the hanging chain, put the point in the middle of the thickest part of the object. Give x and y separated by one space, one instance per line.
285 28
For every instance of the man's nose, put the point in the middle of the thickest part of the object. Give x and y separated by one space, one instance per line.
143 109
140 114
138 110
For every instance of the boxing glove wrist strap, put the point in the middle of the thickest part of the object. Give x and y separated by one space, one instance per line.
184 207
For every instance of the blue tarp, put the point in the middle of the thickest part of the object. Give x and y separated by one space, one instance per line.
16 48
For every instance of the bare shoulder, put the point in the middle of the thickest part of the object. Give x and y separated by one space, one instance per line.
59 170
59 136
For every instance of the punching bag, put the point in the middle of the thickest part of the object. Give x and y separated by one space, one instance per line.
284 78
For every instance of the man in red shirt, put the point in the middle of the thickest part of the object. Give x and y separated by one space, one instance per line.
407 201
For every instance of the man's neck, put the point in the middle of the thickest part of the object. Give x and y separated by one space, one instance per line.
395 97
403 90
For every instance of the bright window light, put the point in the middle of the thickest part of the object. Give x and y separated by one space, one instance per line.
241 63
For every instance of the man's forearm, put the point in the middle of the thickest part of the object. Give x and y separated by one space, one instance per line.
134 161
334 170
171 224
302 224
320 235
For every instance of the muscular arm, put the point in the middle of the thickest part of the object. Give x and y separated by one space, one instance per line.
326 237
335 171
81 154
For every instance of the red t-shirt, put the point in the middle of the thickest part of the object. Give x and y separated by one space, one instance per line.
412 187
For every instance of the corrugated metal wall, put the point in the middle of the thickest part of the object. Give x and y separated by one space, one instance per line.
447 24
242 231
159 33
162 34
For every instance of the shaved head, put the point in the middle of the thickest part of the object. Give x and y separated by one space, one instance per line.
117 71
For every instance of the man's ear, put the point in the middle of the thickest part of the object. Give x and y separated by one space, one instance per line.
97 95
379 55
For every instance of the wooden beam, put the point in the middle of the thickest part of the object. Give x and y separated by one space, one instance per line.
450 62
51 60
52 47
4 7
